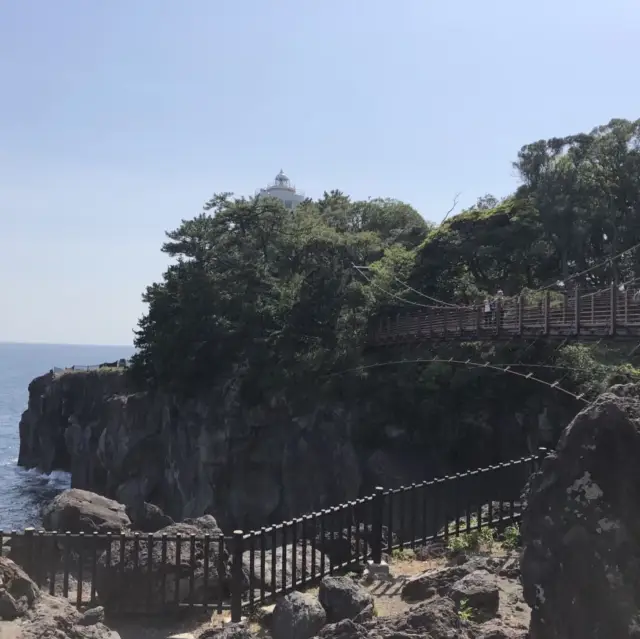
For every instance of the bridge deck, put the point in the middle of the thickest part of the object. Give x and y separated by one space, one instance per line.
611 314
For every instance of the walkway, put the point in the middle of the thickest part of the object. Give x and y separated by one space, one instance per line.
584 316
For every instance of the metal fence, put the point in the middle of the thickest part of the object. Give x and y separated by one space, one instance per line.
121 363
158 573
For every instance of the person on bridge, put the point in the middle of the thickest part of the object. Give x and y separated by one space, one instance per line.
487 311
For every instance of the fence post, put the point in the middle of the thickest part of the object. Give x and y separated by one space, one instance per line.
614 303
376 525
28 543
237 576
577 309
520 315
547 312
542 453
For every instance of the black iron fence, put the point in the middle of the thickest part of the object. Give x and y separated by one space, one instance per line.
157 573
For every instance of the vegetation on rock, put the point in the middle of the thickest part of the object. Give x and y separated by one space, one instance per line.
267 302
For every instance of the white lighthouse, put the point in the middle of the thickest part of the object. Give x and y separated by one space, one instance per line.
282 189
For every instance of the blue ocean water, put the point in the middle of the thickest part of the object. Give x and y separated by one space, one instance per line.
22 492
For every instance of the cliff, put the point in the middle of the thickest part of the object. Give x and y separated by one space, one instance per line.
246 466
198 456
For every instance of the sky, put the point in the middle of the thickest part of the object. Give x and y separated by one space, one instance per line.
120 118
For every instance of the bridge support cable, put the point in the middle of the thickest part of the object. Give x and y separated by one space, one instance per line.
506 369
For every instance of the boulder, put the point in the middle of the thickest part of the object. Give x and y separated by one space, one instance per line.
345 629
257 580
126 584
440 581
340 546
343 598
437 619
17 591
148 518
228 631
479 590
92 616
41 616
297 616
77 511
581 526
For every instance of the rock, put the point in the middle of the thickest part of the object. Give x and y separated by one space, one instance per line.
17 591
54 617
148 518
341 546
77 511
343 598
495 629
480 592
581 527
436 619
127 586
440 581
345 629
42 616
257 580
228 631
511 567
92 616
297 616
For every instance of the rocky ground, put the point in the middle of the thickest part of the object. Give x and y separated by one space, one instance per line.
475 596
28 613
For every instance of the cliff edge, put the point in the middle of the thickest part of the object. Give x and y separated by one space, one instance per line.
190 457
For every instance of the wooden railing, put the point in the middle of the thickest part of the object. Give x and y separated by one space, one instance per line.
581 314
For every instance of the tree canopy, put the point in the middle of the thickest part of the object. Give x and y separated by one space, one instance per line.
270 298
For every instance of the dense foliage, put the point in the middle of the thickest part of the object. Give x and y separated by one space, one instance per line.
270 300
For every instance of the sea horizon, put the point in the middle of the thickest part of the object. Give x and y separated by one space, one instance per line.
84 345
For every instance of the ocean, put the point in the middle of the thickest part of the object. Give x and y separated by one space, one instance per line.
23 492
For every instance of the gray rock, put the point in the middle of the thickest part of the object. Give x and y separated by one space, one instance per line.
297 616
92 616
511 567
495 629
43 616
343 598
581 528
228 631
77 511
148 518
258 580
17 591
439 582
479 590
126 587
345 629
436 619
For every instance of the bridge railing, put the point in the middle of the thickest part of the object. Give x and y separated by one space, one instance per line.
596 314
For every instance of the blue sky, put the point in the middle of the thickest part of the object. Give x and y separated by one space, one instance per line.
119 118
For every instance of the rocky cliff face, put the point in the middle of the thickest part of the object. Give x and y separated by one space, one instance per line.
581 527
247 467
190 457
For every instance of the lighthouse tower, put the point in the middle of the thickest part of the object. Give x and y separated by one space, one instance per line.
282 189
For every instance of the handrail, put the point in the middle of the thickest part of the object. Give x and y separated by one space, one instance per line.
607 313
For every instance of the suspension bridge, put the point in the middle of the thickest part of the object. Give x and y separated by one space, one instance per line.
577 314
